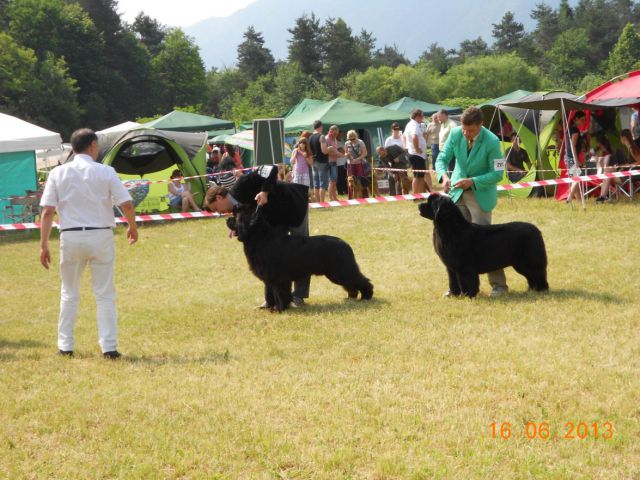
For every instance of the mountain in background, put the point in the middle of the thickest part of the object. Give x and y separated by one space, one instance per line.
412 30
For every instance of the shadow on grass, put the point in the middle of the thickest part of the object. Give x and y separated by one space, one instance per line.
160 359
343 305
556 294
16 344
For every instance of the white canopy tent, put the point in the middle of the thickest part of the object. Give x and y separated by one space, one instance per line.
18 177
19 136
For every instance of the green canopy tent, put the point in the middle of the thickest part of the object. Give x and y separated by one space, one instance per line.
407 104
347 115
178 121
152 154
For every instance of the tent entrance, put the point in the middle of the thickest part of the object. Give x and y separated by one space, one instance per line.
143 155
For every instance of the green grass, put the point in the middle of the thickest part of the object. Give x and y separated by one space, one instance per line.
404 386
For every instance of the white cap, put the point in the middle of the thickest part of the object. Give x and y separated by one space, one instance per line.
215 149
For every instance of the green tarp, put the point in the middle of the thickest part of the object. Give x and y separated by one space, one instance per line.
346 114
18 174
406 104
178 121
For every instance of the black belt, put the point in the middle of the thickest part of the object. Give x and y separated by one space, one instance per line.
80 229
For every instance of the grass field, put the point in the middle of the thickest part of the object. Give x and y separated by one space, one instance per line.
404 386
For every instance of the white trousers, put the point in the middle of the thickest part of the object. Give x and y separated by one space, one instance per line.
77 248
468 205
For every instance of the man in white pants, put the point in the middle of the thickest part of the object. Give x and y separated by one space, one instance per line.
82 192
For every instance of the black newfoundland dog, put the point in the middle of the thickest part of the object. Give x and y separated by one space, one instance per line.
468 249
278 259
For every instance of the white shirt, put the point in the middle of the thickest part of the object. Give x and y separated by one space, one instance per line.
82 192
415 128
393 141
445 130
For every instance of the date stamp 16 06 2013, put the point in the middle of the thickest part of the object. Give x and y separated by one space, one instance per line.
548 431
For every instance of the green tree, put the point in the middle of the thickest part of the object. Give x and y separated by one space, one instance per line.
340 50
365 43
150 32
221 85
438 57
37 91
376 86
389 56
565 16
254 59
568 59
473 48
547 25
305 45
180 70
508 34
492 76
66 31
624 56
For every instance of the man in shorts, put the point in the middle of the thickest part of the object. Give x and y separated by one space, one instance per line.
417 148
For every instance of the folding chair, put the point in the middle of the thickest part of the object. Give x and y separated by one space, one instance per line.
23 209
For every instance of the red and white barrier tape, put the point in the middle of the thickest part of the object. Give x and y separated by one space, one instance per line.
136 183
120 220
348 203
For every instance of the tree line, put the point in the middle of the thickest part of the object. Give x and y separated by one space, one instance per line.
66 63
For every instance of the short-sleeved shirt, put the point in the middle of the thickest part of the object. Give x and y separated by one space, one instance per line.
84 192
393 141
415 128
445 130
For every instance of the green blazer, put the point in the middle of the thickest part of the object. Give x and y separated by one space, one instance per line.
478 165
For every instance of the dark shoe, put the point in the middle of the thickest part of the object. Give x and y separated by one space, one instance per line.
601 199
114 355
297 302
65 353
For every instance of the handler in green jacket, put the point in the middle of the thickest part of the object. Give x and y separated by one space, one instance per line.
478 169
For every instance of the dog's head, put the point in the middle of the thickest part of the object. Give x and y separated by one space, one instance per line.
248 223
438 207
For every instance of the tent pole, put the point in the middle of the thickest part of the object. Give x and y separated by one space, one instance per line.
502 148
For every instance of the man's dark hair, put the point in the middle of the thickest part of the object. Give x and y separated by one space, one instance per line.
81 139
213 192
416 112
317 124
579 114
472 116
443 112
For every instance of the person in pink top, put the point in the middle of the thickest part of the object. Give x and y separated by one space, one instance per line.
333 154
301 162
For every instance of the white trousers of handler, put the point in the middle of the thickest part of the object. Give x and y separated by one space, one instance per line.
77 248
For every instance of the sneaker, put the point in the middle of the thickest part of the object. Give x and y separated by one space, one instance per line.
498 291
263 306
113 355
448 294
297 302
601 199
65 353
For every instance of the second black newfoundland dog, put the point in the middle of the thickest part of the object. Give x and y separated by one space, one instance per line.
278 259
468 249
